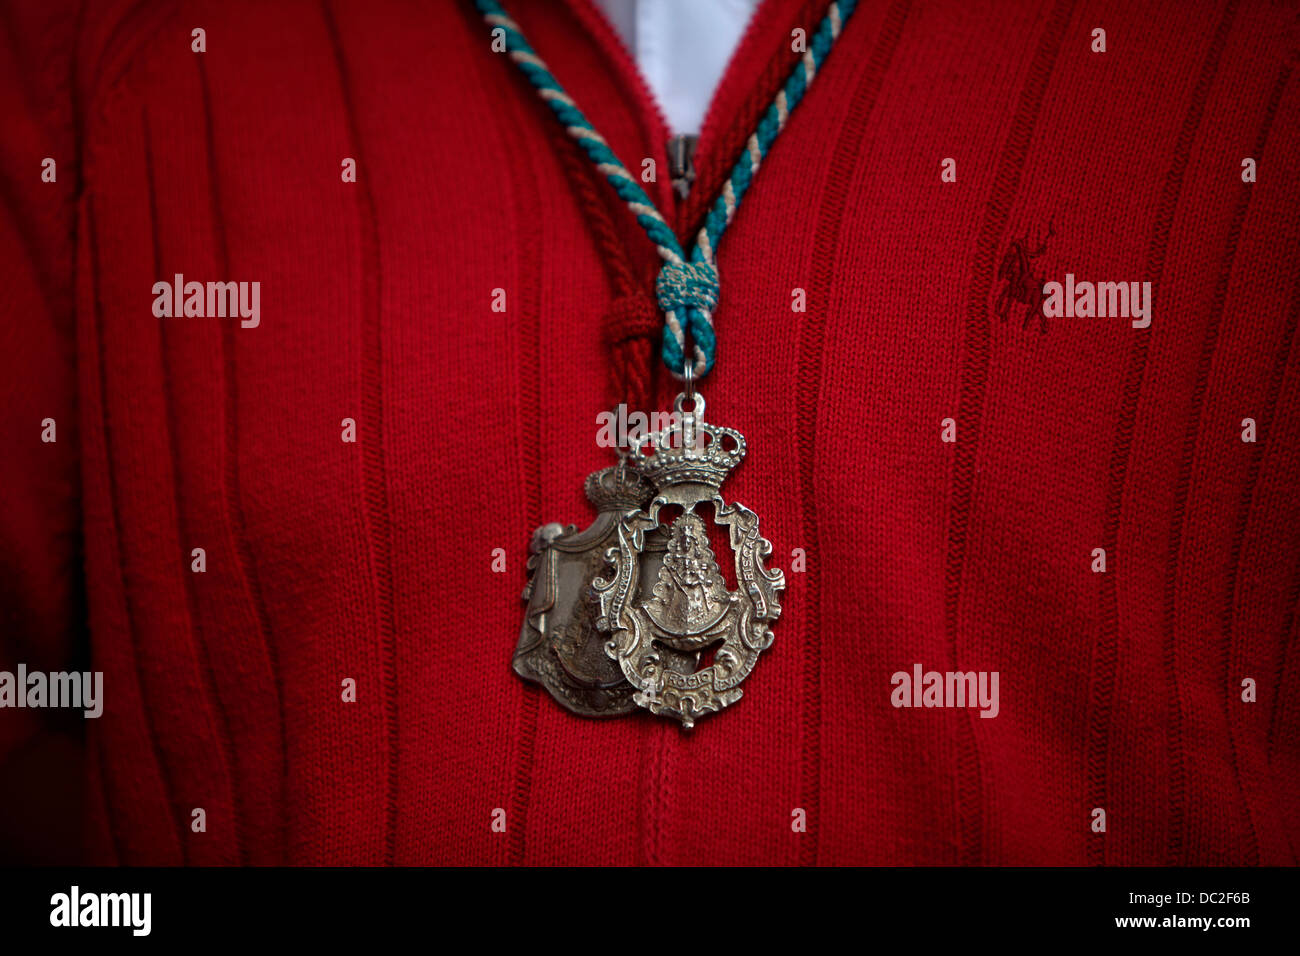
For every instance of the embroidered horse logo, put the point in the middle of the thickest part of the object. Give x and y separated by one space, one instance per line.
1022 286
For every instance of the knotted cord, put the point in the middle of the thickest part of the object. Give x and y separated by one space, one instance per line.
687 285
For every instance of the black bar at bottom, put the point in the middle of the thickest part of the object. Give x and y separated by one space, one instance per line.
679 908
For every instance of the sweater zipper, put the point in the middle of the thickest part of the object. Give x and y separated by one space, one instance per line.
681 163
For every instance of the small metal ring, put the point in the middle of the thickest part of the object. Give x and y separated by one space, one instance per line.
688 378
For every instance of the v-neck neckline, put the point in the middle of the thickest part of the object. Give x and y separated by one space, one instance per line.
740 97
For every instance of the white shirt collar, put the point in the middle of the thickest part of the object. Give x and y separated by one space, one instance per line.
682 48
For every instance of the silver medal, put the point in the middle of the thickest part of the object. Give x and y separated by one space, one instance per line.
658 611
559 646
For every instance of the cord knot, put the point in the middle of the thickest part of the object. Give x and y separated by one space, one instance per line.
687 285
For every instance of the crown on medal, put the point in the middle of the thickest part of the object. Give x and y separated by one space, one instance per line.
671 457
617 488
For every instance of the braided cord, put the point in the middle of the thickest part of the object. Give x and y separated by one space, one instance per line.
686 288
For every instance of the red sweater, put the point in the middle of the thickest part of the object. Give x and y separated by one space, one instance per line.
1120 690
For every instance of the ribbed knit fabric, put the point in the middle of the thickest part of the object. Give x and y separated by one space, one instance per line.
373 561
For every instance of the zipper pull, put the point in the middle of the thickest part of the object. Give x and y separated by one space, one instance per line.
681 163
